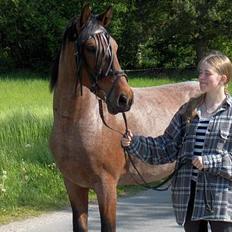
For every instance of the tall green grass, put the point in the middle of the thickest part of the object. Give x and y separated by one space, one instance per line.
29 179
28 176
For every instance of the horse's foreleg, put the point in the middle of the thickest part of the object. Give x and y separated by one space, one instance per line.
107 199
78 197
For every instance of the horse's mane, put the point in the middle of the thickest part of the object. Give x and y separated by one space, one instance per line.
54 72
70 34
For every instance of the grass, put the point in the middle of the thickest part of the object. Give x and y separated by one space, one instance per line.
29 180
146 80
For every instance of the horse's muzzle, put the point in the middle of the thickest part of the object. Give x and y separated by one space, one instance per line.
121 104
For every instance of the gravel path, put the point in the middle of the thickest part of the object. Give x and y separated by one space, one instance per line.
147 211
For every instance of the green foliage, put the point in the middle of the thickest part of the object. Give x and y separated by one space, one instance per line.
28 175
197 25
30 31
149 33
179 32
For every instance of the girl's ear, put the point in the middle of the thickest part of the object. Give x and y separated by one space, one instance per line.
224 79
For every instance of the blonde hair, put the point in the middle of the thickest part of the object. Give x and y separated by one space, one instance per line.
219 63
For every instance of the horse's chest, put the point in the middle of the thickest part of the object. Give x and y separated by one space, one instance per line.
81 134
88 130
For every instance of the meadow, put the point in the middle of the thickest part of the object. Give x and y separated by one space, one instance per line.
29 180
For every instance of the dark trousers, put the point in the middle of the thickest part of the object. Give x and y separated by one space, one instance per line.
202 225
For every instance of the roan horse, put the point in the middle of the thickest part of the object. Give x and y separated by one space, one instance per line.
88 154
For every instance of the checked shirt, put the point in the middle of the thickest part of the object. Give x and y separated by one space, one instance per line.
214 182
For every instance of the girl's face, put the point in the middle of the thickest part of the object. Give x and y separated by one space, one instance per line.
209 79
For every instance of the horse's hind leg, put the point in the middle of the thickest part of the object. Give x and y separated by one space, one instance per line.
107 199
78 197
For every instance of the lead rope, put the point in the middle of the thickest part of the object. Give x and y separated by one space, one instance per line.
103 119
145 184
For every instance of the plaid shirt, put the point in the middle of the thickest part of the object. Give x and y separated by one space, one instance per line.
214 183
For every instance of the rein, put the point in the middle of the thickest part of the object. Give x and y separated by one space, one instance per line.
145 184
104 122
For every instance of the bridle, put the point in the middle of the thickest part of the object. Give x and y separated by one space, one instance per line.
103 54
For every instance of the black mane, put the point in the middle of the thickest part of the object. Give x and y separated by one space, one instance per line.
70 34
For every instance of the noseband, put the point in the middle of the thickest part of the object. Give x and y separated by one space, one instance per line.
103 54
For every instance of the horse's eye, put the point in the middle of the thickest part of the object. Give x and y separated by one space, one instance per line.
91 48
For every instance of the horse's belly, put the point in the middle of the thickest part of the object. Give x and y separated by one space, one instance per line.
150 173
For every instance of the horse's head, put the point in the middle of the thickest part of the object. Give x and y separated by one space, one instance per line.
97 64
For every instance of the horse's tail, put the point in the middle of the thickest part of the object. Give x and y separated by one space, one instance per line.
54 72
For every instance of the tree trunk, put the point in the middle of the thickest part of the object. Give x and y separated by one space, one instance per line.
201 48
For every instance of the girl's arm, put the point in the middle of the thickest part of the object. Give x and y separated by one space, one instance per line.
161 149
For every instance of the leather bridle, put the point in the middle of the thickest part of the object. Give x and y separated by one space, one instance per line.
103 54
104 58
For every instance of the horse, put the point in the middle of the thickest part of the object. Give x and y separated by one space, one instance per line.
88 154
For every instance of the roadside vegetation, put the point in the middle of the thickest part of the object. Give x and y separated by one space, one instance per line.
29 181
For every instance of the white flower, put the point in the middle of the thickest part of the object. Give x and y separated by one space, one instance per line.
4 172
28 145
2 188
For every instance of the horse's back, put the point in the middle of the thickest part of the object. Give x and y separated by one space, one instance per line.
155 106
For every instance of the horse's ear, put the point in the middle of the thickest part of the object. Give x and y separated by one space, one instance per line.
85 14
106 16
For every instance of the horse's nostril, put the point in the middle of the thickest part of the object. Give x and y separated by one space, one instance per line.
122 101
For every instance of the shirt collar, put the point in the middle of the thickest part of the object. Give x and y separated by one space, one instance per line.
228 100
226 103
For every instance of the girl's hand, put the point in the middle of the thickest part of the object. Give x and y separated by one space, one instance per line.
126 139
198 162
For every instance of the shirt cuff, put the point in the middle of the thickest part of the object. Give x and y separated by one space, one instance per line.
212 163
133 147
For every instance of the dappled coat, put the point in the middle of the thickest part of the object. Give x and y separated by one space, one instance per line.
213 197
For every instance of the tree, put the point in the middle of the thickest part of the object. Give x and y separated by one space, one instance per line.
149 33
199 22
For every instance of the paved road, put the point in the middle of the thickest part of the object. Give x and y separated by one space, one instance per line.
148 211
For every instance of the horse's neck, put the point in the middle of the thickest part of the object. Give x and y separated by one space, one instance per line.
68 101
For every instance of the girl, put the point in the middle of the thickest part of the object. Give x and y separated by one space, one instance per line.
199 139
